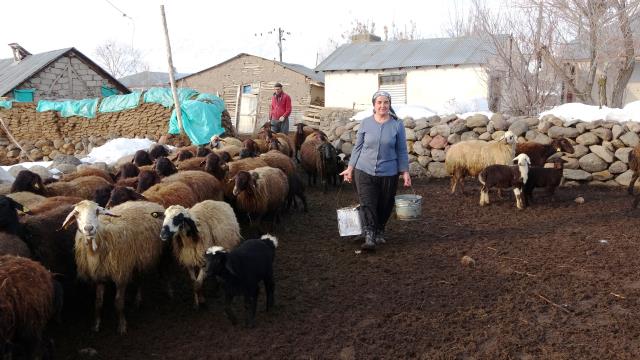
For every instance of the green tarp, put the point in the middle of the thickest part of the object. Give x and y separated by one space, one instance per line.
120 102
85 107
5 104
164 96
23 95
200 121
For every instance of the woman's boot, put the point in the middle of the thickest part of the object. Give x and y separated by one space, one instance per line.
379 239
369 240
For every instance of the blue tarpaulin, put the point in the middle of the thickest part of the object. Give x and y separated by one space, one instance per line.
5 104
120 102
164 96
85 108
23 95
200 121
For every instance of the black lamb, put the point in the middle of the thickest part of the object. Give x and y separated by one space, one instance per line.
242 269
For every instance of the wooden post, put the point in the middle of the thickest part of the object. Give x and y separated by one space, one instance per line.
172 79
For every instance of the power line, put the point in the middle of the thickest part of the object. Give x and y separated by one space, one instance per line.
120 11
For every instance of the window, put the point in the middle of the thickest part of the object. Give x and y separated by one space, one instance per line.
23 95
247 89
395 85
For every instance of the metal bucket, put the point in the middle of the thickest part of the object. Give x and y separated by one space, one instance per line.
408 207
349 221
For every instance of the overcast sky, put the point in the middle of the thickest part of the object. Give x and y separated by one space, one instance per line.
204 33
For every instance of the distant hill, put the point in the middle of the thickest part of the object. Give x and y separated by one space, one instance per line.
147 79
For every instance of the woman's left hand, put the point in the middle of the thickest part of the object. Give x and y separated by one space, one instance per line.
407 179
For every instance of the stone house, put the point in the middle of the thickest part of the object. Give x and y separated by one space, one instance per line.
245 83
418 72
58 74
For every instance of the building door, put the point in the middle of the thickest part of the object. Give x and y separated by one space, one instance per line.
247 115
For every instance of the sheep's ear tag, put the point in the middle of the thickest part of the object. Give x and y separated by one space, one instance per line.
156 214
25 210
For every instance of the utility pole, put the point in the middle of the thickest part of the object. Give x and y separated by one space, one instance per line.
281 33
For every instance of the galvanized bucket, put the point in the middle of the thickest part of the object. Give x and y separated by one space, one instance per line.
349 221
408 207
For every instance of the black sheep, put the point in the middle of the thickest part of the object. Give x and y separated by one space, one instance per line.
296 189
28 181
158 151
242 269
8 214
164 167
142 158
127 170
549 178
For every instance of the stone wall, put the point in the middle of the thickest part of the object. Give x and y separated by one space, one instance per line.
43 135
601 147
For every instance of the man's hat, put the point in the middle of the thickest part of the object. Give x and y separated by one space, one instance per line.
278 85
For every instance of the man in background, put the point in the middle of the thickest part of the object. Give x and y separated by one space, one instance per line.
280 110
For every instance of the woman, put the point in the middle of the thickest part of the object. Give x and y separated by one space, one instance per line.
379 155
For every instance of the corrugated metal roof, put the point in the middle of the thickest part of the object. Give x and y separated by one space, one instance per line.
148 79
13 73
315 76
409 53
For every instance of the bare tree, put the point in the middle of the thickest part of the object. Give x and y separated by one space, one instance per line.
120 59
626 56
407 33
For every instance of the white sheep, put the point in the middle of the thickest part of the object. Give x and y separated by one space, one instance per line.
194 230
470 157
115 247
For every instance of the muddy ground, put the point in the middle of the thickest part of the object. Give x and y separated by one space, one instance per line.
557 280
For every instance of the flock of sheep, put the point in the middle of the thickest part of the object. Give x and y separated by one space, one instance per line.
157 210
162 209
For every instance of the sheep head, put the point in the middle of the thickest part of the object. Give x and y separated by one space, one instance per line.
562 145
8 214
177 219
85 213
245 181
158 151
141 158
215 142
523 162
122 194
146 179
203 151
216 261
164 166
28 181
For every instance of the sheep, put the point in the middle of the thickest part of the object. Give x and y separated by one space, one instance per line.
214 165
131 182
217 142
242 269
11 244
319 158
539 153
165 194
205 186
157 151
634 165
195 163
549 178
281 142
29 298
296 189
472 156
261 191
127 170
89 171
53 202
147 179
28 181
233 150
235 167
141 158
164 167
193 230
116 247
51 245
504 176
26 198
8 214
249 149
302 131
203 151
183 154
84 187
279 160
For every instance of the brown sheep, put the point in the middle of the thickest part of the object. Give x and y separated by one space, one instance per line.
164 167
11 244
539 153
205 186
53 202
634 165
261 191
240 165
214 165
26 198
28 299
141 158
146 179
302 131
88 171
127 170
158 151
83 187
279 160
196 163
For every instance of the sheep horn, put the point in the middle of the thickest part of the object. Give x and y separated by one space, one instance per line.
70 218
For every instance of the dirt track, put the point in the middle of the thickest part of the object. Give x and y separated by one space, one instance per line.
556 280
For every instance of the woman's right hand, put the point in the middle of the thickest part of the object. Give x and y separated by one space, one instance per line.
347 174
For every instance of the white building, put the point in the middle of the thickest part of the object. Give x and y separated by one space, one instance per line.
426 72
